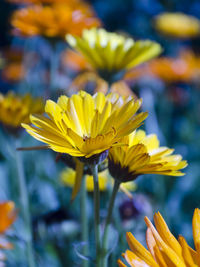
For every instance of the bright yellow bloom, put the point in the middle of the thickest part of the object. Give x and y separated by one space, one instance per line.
177 25
142 155
53 21
85 125
68 179
110 52
163 248
16 109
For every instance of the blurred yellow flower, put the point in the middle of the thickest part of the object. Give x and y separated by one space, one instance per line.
68 179
15 109
53 21
110 53
163 248
85 125
177 25
142 155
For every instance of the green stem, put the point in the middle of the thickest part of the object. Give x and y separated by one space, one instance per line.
94 169
25 208
84 220
107 223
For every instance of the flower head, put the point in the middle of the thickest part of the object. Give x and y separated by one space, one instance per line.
85 125
110 53
8 215
15 109
23 2
177 25
163 248
142 155
53 21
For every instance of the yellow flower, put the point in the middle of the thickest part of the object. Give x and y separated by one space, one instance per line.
53 21
110 53
85 125
163 248
142 155
15 109
68 179
177 25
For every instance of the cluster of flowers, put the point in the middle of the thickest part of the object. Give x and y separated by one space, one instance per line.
93 128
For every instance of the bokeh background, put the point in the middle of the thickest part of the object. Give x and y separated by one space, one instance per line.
170 87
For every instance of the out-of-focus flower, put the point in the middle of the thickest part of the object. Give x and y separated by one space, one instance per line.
139 205
111 53
68 179
75 61
85 125
13 72
8 215
16 109
177 25
53 21
142 155
184 68
23 2
163 248
92 83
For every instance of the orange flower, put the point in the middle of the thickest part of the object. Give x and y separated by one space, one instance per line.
164 250
75 61
13 72
53 21
7 215
184 68
23 2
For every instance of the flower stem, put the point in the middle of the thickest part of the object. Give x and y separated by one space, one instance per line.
84 220
107 223
94 169
25 207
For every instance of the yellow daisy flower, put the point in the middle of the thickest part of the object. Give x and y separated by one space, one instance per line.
142 155
85 125
15 109
163 248
177 25
68 176
109 53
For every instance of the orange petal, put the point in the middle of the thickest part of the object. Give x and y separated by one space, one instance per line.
139 250
196 229
186 252
170 256
166 235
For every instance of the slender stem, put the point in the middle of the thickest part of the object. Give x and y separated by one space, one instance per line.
25 207
84 220
94 170
107 223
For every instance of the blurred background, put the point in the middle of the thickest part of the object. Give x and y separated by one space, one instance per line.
170 88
